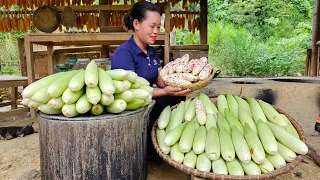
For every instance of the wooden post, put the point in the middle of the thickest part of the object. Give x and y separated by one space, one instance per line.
203 21
29 57
104 21
14 97
50 58
23 63
315 39
167 34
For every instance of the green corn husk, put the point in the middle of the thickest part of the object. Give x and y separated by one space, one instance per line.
257 152
272 114
175 153
251 168
223 123
286 153
219 166
161 134
234 168
233 121
199 141
244 118
69 110
233 105
227 148
188 134
276 160
266 167
164 118
256 110
243 104
190 159
211 121
222 104
267 138
209 107
240 145
203 163
212 147
174 135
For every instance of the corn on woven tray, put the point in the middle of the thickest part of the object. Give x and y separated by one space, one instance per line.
197 85
211 175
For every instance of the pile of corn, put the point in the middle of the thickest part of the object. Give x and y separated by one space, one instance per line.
236 137
181 71
92 90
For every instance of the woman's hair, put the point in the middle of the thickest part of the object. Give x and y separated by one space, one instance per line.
138 12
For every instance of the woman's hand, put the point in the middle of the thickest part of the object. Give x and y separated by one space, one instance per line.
175 91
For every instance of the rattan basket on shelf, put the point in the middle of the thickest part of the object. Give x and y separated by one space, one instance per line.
197 85
210 175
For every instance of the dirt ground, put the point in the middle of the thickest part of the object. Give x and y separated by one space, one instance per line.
20 159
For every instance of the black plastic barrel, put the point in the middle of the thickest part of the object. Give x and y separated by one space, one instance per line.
94 147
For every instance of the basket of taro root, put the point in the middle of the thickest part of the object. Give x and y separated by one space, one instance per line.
188 73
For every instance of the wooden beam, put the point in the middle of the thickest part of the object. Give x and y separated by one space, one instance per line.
23 62
167 34
29 58
104 21
201 47
14 97
315 39
14 112
77 49
203 21
92 43
96 7
50 58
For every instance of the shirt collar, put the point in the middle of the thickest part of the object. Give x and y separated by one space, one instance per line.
136 49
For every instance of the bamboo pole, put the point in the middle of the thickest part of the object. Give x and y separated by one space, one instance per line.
315 39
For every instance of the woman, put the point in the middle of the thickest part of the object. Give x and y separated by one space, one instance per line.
136 55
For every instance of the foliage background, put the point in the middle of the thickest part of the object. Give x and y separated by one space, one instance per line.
246 37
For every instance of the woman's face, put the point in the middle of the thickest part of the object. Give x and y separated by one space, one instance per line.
148 29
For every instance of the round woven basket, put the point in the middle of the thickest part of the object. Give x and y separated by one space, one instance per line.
210 175
197 85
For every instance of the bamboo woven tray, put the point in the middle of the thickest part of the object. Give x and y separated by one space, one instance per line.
211 175
197 85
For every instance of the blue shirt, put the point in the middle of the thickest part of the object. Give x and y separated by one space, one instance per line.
129 56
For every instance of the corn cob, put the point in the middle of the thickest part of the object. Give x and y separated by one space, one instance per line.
77 82
174 135
211 121
189 67
105 82
119 86
41 96
148 100
186 140
106 99
288 139
187 103
222 103
142 81
190 159
185 59
266 167
276 160
233 121
212 147
118 74
250 168
57 88
56 103
272 114
219 166
267 138
49 110
91 76
69 110
199 141
202 62
180 68
164 71
234 168
132 76
244 118
97 109
171 119
191 110
176 81
34 104
177 117
243 104
83 105
117 106
93 94
186 76
175 153
240 145
227 148
70 97
286 153
201 113
290 128
25 101
126 84
257 112
233 105
126 95
223 123
205 72
161 134
164 118
208 105
203 163
257 152
135 104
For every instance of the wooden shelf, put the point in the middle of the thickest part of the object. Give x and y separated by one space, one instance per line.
97 8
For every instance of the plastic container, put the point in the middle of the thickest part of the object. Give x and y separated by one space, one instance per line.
81 63
70 63
101 63
60 68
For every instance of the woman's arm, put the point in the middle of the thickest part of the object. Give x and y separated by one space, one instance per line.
159 81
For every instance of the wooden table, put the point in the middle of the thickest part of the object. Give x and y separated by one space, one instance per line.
80 39
13 82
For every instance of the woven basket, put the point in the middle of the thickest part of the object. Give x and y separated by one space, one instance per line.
210 175
197 85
